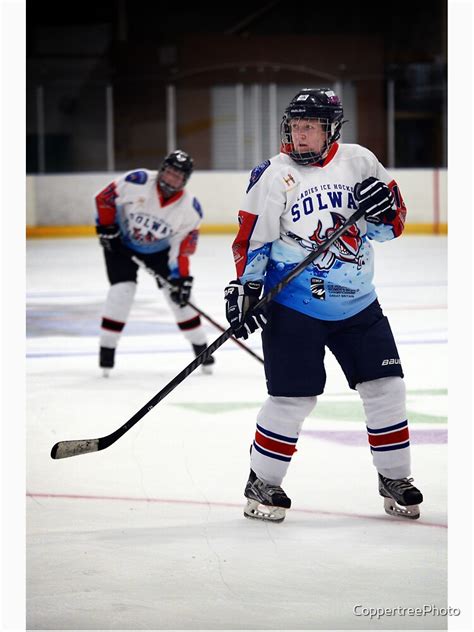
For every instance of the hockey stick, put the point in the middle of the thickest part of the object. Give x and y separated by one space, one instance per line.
64 449
168 285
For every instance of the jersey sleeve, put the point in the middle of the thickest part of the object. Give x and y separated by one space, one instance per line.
106 200
393 223
184 243
105 204
259 222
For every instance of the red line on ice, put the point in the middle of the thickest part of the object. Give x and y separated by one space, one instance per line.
176 501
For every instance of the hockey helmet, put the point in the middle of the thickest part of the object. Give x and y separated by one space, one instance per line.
179 160
313 103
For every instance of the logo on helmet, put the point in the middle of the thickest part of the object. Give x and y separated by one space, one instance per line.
181 156
332 97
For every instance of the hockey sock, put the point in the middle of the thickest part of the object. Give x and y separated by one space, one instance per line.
387 425
117 308
278 427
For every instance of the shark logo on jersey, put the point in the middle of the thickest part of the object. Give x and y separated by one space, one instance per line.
346 248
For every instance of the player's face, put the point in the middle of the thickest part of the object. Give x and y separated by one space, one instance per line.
172 177
307 135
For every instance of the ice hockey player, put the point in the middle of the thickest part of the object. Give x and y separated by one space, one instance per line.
150 215
293 202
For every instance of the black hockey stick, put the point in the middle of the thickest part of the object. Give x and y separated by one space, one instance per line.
65 449
167 284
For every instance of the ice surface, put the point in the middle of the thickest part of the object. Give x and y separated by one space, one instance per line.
150 534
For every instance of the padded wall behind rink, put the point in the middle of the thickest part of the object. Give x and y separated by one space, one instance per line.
63 204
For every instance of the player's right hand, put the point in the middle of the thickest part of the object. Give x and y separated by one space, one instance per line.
240 301
109 237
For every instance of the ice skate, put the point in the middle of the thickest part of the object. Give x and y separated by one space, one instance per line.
264 501
106 360
206 366
401 498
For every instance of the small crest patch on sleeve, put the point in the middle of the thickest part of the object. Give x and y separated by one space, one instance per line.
257 174
197 207
137 177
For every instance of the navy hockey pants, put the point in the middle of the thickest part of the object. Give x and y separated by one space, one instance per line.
294 347
121 268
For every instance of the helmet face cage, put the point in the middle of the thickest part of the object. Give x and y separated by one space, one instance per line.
330 129
323 106
181 161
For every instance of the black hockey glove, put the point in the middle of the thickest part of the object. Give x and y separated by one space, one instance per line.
181 289
109 237
239 301
376 200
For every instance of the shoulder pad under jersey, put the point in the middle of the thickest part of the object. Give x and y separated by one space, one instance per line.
257 174
137 177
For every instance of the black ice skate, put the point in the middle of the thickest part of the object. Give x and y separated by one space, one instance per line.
106 360
264 501
206 366
401 498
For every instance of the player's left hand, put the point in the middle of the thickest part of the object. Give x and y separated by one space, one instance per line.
375 199
181 291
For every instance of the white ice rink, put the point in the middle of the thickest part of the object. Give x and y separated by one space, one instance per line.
149 533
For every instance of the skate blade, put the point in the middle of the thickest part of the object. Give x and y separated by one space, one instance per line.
394 509
106 372
256 511
206 369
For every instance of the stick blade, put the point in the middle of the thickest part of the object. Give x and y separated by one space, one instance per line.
65 449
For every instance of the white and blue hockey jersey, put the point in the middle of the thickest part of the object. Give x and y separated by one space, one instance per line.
148 222
289 210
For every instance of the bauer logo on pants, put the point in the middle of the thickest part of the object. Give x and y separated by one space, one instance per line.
317 289
390 361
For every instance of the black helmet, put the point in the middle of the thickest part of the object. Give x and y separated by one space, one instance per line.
309 103
181 161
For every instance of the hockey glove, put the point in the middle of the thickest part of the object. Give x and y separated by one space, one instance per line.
376 200
109 237
181 291
239 303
